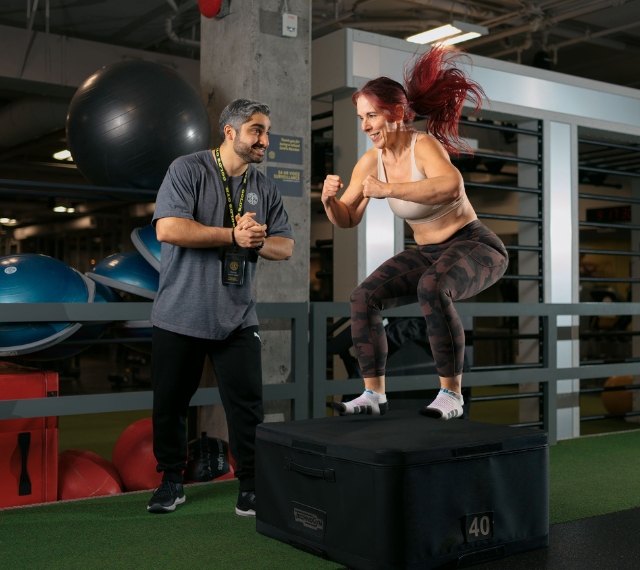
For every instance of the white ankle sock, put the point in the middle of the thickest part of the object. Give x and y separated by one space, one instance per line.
446 406
369 402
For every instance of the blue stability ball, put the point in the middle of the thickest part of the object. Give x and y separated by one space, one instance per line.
128 272
32 278
130 120
147 244
82 338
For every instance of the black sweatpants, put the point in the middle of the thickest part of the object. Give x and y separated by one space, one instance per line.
177 362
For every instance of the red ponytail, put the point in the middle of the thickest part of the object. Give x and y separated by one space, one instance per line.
436 89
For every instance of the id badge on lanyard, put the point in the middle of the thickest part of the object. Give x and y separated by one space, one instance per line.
233 268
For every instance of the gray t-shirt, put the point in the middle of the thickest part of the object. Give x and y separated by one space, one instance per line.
191 298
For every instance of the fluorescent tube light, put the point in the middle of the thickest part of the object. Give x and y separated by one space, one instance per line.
434 35
450 34
62 155
458 39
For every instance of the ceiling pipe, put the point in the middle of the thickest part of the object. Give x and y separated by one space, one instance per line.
571 34
451 7
528 42
535 26
337 18
531 10
32 15
459 8
587 37
168 25
400 25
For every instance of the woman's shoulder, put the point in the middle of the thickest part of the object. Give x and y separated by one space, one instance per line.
427 144
369 159
423 139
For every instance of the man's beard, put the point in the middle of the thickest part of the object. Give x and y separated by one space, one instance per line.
245 152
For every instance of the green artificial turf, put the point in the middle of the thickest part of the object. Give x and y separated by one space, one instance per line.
594 475
118 533
589 476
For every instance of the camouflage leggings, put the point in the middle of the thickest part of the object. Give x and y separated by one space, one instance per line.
434 275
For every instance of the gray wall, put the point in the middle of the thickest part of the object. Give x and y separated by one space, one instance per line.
244 56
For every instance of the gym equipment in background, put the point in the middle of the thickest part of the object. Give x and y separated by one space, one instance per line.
431 492
619 401
82 474
147 244
85 335
133 457
28 446
128 272
208 459
35 278
130 120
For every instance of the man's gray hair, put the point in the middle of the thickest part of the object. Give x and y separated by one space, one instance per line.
238 112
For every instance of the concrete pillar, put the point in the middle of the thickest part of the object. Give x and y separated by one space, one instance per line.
244 55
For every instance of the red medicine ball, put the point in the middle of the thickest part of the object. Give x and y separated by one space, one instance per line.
134 459
84 474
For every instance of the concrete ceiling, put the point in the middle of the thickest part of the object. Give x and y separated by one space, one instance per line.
605 33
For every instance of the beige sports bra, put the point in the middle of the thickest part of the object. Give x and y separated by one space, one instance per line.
413 212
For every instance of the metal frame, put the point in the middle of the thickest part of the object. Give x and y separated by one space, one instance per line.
310 329
547 372
297 391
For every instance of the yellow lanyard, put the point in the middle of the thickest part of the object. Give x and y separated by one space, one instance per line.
225 183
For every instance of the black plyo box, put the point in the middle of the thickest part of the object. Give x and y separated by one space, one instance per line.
402 491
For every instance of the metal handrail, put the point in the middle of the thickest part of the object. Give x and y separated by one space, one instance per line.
297 390
546 372
609 171
502 128
309 330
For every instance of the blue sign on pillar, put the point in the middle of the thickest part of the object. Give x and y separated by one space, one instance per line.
288 180
285 149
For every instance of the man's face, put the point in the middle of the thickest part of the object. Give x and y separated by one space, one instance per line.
252 140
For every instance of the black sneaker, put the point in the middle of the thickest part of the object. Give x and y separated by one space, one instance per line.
246 505
166 497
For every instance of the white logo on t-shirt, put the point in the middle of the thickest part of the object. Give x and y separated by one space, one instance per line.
10 270
252 198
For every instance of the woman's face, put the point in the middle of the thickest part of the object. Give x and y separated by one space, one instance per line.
372 122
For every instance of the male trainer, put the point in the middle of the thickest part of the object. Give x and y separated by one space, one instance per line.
215 215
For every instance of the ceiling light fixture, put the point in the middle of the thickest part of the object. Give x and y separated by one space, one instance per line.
449 34
63 155
8 221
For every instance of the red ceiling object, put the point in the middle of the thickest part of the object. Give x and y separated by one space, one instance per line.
209 8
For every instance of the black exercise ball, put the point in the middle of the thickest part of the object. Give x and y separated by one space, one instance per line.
130 120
